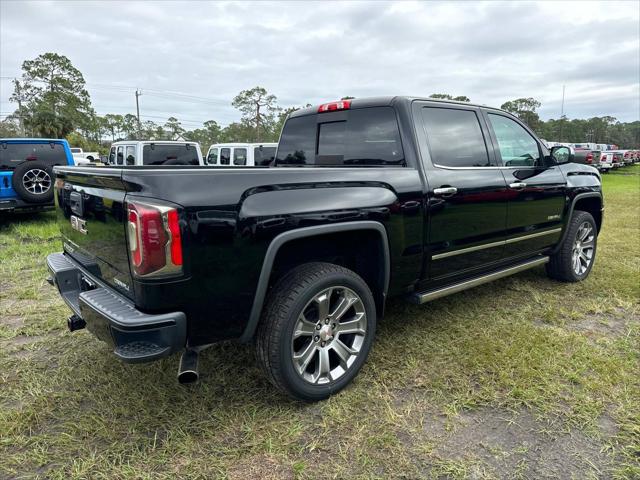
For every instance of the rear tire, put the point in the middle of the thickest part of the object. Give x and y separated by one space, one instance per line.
575 258
316 330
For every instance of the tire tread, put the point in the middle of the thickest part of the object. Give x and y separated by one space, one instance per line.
559 266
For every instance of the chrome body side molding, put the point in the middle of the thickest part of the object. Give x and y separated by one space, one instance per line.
494 244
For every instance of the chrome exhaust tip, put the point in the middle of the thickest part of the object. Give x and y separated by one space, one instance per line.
188 369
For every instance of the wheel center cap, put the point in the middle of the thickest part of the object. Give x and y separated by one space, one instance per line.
326 333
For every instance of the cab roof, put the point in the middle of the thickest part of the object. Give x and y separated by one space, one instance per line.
33 140
241 144
164 142
385 101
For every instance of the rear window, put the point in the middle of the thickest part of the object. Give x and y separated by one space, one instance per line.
13 154
263 156
158 154
367 136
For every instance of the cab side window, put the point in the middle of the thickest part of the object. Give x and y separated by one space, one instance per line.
120 156
517 147
131 155
212 158
455 138
239 156
225 156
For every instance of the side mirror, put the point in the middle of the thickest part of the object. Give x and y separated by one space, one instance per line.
104 159
562 154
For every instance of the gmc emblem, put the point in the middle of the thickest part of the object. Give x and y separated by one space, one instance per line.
79 224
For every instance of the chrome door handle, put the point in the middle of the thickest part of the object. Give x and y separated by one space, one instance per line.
517 185
445 191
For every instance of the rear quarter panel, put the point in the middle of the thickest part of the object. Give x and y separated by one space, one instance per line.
232 215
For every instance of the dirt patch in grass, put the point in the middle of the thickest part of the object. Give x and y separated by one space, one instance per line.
22 340
605 324
507 443
12 321
598 325
262 466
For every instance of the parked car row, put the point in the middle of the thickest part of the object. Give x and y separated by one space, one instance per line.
605 160
602 156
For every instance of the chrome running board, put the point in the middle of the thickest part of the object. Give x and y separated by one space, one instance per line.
424 297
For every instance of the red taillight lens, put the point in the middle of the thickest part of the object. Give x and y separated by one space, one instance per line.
155 242
176 239
334 106
590 158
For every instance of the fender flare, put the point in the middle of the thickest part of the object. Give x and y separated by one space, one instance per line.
570 214
283 238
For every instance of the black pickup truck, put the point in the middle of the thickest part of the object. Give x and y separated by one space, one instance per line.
366 199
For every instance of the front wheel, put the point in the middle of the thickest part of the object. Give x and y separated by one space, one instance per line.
574 260
316 330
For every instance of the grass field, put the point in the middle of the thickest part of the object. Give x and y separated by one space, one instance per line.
521 378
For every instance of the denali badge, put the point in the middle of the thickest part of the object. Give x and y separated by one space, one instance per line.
79 224
121 284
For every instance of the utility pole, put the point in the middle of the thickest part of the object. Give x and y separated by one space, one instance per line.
138 94
562 113
258 121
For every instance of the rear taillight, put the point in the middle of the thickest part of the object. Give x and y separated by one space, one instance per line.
155 242
334 106
589 158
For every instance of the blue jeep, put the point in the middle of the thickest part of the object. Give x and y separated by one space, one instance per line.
26 171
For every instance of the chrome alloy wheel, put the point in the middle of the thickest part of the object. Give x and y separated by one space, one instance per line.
582 253
36 181
328 335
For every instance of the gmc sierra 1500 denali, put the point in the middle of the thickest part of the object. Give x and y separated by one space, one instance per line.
366 199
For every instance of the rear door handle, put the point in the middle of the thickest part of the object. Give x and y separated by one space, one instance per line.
445 191
517 185
410 206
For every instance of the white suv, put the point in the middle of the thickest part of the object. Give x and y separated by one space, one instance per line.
241 154
155 152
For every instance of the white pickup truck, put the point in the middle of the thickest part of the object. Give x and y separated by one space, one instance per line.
80 157
155 152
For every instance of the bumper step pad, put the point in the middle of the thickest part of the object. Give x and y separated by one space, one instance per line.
135 351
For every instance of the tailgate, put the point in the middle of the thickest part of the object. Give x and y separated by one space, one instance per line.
91 216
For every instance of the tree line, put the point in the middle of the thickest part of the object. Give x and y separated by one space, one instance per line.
53 102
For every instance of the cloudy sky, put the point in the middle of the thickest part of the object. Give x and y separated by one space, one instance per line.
190 59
